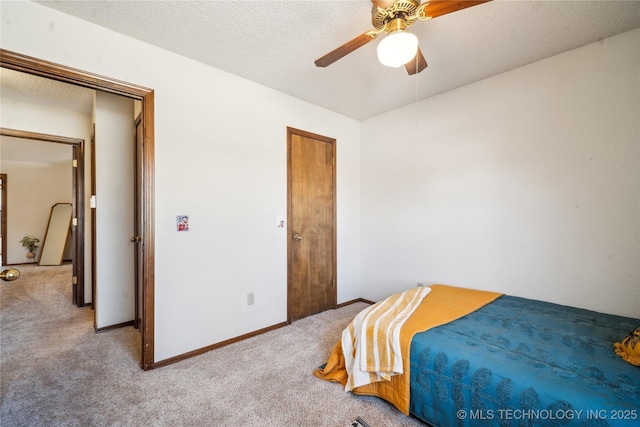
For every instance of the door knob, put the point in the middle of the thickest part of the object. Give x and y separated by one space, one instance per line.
297 237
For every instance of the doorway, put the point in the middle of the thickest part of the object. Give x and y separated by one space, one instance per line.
76 163
30 65
311 210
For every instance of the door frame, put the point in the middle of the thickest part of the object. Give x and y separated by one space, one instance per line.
290 133
3 218
139 220
30 65
77 200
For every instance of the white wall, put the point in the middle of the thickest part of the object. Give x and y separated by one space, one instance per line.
33 188
221 159
115 215
525 183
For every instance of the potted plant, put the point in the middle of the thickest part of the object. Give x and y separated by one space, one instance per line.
30 242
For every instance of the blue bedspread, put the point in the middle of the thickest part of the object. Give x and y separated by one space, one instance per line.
520 362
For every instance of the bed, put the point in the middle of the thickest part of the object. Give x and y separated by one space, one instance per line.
507 361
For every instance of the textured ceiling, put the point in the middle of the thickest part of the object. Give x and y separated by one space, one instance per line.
45 92
275 43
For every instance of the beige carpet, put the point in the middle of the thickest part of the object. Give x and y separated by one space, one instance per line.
55 371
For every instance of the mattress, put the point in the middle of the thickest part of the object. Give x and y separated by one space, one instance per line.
524 362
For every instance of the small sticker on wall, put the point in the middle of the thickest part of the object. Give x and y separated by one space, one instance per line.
182 222
280 221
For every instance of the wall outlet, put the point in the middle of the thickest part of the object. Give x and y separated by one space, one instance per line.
250 298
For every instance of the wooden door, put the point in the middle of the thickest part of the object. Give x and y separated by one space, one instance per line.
311 205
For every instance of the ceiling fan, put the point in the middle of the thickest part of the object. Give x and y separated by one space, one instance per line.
394 17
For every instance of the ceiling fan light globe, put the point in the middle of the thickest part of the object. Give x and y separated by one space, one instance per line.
397 49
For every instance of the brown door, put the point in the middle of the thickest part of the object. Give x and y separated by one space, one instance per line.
311 205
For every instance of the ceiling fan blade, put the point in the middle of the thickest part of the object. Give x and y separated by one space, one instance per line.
344 50
417 64
383 4
437 8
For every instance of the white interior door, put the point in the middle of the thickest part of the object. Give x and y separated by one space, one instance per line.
115 215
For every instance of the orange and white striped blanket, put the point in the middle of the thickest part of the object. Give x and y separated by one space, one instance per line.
443 304
371 343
